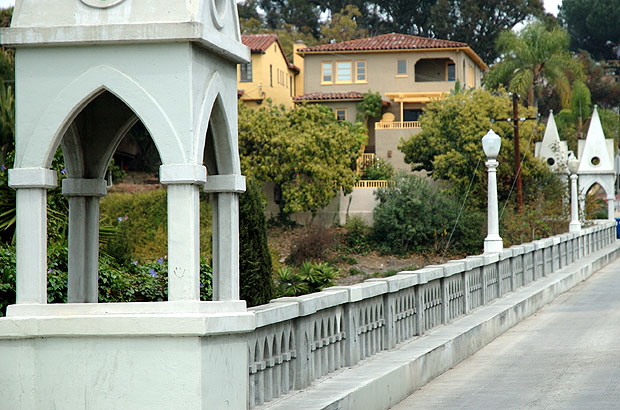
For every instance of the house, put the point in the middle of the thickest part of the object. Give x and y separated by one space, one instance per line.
269 76
408 72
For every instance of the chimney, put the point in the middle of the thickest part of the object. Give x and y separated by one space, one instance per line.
298 61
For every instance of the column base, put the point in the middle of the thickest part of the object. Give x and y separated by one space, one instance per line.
78 358
493 245
574 227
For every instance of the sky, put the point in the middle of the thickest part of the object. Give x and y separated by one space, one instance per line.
550 5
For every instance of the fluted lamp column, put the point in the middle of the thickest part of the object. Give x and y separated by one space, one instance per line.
573 167
491 143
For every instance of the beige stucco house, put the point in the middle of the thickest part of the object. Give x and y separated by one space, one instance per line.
408 71
269 76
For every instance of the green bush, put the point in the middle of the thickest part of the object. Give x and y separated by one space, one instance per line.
358 236
255 268
378 170
140 221
310 277
414 216
134 282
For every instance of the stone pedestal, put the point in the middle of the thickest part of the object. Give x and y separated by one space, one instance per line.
150 356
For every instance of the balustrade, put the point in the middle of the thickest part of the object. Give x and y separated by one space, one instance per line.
299 340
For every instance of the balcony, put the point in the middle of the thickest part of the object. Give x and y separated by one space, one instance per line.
397 125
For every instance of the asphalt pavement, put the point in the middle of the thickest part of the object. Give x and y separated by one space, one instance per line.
566 356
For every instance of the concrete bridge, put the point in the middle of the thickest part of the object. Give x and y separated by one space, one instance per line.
560 358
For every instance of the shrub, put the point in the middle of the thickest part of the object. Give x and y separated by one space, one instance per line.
255 269
378 170
358 235
414 216
311 246
140 220
310 277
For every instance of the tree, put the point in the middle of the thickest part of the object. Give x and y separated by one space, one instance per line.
535 58
480 22
255 269
301 14
449 145
371 106
593 26
306 153
343 25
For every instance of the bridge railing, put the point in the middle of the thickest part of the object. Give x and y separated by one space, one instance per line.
301 339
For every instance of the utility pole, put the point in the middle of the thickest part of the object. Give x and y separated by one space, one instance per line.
515 117
515 120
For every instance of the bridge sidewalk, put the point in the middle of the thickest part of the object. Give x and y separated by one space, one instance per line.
385 379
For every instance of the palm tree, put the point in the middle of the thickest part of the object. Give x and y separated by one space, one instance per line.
534 58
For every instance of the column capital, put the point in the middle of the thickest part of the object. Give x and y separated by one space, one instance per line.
182 174
234 183
32 178
84 187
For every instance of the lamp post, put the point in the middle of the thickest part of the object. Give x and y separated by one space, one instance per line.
491 143
573 167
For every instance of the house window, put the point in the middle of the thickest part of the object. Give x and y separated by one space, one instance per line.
451 72
412 115
360 71
401 67
246 73
344 72
341 114
270 75
327 75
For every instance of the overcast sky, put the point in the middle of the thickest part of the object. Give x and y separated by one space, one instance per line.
550 5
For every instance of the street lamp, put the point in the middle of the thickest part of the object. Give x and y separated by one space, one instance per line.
573 167
491 143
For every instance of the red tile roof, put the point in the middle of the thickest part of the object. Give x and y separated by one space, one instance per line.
342 96
352 95
391 41
258 43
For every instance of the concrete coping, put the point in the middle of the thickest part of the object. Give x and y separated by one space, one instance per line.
32 178
429 273
471 262
361 291
402 280
542 244
454 268
182 174
126 308
275 312
84 187
517 250
506 253
555 240
312 303
486 259
528 247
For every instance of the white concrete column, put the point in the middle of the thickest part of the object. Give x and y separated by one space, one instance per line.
225 190
84 197
183 189
493 242
575 225
31 231
611 208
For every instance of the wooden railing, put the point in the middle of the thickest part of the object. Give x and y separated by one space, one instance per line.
301 339
401 125
371 184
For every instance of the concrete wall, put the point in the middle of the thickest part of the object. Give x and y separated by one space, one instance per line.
361 203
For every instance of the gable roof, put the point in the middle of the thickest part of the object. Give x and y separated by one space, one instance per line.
259 43
393 42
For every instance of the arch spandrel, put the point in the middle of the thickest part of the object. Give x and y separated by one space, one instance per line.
38 149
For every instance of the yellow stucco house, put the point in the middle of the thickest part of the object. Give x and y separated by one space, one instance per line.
408 71
269 76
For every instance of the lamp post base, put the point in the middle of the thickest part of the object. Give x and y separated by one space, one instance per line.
493 245
574 226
